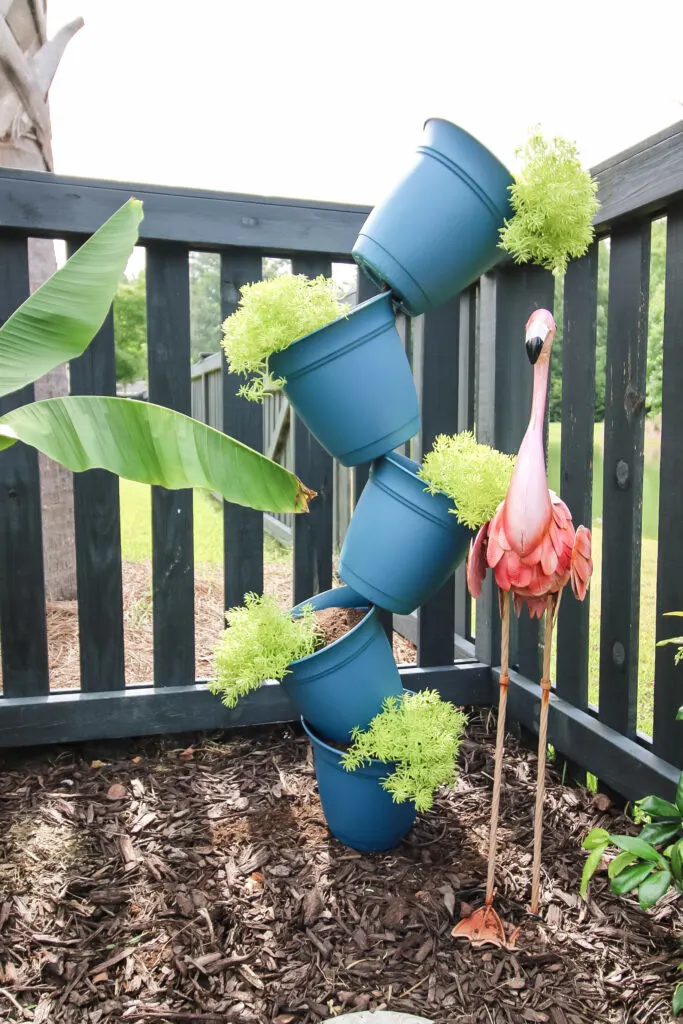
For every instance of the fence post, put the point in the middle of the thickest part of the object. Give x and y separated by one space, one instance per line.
467 358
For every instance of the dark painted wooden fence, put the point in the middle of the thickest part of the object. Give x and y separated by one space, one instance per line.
469 363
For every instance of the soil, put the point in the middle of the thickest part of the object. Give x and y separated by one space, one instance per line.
334 623
154 881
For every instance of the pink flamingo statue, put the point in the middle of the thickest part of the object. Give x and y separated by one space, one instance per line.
533 550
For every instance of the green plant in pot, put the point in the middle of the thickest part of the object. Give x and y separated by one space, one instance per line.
271 316
344 372
473 475
554 201
330 654
372 788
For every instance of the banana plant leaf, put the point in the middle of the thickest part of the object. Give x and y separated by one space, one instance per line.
153 445
59 320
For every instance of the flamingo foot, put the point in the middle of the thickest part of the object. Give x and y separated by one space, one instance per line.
485 926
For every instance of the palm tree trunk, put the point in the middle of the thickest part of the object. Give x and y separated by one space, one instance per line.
27 65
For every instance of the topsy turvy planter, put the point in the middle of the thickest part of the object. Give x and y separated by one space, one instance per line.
359 812
402 543
438 230
351 383
344 684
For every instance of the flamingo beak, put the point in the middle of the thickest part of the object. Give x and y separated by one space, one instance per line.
534 344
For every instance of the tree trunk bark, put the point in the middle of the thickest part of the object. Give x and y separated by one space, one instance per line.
27 64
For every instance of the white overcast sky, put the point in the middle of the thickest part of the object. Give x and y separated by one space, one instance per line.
327 100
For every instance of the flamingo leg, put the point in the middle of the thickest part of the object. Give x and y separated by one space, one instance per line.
484 925
542 746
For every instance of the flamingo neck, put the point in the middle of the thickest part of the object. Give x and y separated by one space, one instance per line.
527 505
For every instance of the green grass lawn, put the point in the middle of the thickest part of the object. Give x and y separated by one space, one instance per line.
136 528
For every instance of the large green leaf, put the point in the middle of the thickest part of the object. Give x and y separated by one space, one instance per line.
60 319
591 866
153 445
653 888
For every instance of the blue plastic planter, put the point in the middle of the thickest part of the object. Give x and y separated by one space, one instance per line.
344 684
359 812
351 384
437 231
402 543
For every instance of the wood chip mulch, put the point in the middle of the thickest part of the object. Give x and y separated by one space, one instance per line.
145 881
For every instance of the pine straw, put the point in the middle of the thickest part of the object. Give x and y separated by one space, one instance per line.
207 888
138 639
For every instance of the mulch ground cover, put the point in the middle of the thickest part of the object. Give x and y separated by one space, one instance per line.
140 882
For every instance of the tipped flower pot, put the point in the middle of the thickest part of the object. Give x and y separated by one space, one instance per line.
344 685
351 384
402 543
438 230
359 812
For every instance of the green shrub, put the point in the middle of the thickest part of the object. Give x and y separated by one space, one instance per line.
421 734
554 202
475 476
271 315
260 643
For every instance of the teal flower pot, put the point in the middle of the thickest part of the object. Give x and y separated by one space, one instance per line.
351 383
359 812
438 230
344 684
402 543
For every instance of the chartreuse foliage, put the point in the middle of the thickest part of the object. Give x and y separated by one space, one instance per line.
260 643
554 202
420 735
138 441
474 475
270 316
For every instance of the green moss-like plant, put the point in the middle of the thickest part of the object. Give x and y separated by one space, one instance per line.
260 643
420 734
554 201
271 315
475 476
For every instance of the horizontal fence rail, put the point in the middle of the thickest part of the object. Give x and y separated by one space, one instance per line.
469 365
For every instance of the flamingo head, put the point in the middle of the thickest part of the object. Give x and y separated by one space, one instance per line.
540 331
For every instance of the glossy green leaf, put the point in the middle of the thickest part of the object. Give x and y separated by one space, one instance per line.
677 1002
154 445
674 615
618 863
653 888
591 866
59 320
659 832
679 787
596 837
638 847
677 861
658 808
679 714
629 879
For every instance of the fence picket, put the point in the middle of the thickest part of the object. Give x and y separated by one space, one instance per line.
22 598
168 348
312 464
622 502
668 693
467 358
243 420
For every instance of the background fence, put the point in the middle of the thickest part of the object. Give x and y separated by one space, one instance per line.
470 367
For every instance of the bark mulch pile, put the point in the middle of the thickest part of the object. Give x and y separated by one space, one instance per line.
143 883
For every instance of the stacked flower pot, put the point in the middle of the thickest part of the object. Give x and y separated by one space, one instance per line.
351 384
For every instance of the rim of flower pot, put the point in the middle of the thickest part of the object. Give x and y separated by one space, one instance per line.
371 610
312 735
491 202
382 296
406 464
